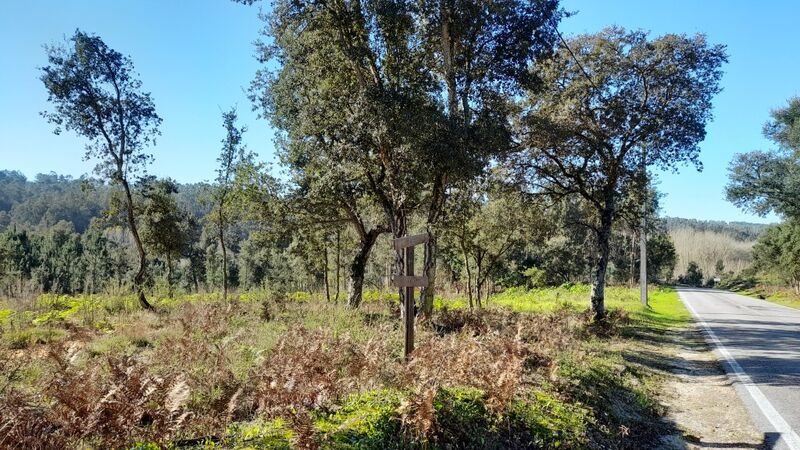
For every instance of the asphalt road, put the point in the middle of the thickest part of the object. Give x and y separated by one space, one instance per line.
758 343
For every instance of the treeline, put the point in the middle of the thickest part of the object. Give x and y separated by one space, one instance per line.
522 154
504 241
740 231
716 249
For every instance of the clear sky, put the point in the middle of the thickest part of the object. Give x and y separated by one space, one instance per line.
197 58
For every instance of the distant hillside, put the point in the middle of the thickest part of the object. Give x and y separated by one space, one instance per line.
52 198
741 231
710 242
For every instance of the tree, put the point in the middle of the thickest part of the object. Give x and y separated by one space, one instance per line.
232 156
487 222
769 181
96 257
661 257
778 252
482 52
166 228
94 92
694 275
357 95
349 98
610 97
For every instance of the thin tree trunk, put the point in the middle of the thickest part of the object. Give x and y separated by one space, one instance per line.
338 263
325 274
478 282
220 226
138 279
469 273
429 270
358 267
169 275
603 244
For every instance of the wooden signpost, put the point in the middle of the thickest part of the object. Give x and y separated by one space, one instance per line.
408 281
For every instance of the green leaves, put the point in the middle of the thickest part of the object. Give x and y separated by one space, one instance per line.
769 181
94 93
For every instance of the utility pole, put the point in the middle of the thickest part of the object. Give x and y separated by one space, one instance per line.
643 233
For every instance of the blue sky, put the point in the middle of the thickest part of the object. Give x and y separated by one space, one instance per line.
197 58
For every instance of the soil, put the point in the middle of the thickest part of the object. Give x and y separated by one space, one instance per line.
701 402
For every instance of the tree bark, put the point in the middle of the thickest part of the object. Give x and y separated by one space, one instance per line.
469 273
358 266
338 263
603 246
325 274
429 270
138 279
169 275
220 226
478 282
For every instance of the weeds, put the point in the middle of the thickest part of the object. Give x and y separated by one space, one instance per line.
317 375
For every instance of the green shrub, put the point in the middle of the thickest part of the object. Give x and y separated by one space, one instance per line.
16 340
546 422
365 421
462 420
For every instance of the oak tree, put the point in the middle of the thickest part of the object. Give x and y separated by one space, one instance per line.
615 101
764 181
95 92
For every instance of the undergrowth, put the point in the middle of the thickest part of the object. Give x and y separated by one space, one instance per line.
310 374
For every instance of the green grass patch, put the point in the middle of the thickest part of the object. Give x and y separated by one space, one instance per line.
664 310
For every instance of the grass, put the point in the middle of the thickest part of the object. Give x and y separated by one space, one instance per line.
664 310
777 295
268 371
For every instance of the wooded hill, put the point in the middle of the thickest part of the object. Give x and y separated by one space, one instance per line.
719 248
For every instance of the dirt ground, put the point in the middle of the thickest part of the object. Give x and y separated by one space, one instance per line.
700 399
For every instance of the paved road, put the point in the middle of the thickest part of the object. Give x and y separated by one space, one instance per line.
759 344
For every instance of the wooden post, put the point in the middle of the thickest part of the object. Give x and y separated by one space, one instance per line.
408 329
408 281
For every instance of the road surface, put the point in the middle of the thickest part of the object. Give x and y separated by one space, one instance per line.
758 343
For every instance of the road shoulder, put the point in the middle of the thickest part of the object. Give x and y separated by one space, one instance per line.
699 398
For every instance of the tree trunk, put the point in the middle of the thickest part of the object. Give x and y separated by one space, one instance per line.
138 279
325 274
358 267
338 263
220 226
429 270
478 282
469 273
603 244
399 230
169 275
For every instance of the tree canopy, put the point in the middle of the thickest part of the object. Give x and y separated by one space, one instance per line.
615 102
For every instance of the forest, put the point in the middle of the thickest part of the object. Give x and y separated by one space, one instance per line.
260 309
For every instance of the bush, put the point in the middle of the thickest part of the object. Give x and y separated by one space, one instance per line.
693 276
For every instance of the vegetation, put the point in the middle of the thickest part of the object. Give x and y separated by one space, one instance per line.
99 372
617 103
765 182
521 154
94 93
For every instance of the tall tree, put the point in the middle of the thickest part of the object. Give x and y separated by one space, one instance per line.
769 181
482 52
231 157
350 95
610 97
95 93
